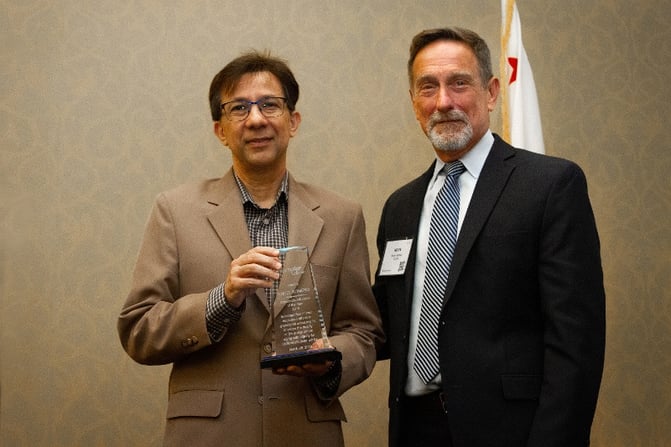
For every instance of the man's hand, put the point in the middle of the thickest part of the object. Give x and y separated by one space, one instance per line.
257 268
307 369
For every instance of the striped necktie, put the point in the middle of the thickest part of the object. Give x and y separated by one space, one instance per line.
442 240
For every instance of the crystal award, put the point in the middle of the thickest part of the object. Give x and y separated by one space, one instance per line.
297 320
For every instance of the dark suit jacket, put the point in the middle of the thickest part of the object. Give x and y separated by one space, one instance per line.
523 323
218 395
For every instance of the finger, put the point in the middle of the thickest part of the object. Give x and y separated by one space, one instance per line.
292 370
317 344
316 369
253 272
268 257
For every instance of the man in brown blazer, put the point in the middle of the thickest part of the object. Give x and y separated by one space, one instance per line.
200 290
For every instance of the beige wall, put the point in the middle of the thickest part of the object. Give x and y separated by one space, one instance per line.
103 105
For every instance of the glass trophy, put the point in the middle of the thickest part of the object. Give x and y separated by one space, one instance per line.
296 315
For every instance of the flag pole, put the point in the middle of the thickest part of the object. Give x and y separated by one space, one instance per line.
507 11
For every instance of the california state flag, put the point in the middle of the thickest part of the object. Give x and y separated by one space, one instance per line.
520 114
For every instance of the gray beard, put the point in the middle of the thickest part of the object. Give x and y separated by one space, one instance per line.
454 141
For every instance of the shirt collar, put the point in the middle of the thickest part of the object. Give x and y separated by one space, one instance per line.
247 197
474 159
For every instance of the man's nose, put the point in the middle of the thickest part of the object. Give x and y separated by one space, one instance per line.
255 114
444 99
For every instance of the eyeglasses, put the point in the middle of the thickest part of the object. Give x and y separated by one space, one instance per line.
269 106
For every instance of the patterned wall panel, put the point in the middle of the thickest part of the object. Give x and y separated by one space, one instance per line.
104 105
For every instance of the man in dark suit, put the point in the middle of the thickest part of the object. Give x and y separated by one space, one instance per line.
519 331
200 292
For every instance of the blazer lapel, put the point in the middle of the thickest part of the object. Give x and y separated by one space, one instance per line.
304 224
410 226
228 221
490 185
228 218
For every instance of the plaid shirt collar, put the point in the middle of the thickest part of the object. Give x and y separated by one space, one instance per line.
247 197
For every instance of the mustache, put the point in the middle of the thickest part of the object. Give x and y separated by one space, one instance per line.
451 115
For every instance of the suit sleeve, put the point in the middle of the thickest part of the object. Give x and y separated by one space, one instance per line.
573 306
156 324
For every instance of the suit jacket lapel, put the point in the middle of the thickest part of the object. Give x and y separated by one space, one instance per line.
411 224
228 218
406 214
490 185
304 224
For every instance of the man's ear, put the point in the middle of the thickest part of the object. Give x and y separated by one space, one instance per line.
294 122
414 105
493 88
219 133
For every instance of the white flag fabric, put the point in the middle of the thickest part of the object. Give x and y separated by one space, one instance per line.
520 113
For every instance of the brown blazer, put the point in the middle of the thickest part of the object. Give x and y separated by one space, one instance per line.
218 395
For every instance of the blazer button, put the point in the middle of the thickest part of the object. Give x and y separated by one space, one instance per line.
190 341
267 348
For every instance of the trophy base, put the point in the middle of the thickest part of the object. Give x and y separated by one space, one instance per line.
300 358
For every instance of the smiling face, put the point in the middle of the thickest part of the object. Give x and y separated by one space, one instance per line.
258 144
450 100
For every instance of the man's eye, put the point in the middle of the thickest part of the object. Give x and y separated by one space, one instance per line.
240 107
461 84
426 89
270 105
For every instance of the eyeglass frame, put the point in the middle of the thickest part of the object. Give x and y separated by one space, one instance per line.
258 103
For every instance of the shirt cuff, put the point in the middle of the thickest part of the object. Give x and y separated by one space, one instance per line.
327 385
219 314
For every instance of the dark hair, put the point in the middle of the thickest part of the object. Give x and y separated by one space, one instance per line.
253 62
470 38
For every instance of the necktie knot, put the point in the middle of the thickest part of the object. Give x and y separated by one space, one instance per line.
454 169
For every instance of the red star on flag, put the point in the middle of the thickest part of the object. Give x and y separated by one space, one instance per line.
513 63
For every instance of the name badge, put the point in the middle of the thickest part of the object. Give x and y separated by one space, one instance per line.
395 258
